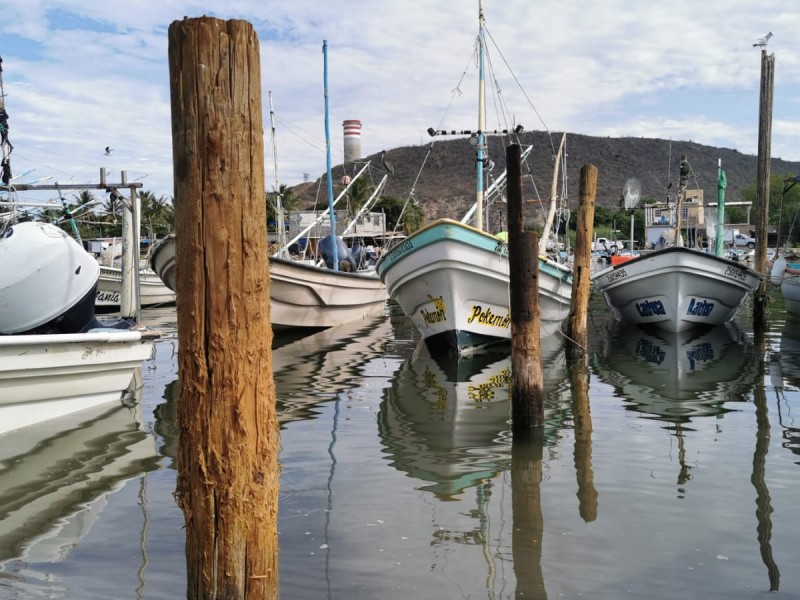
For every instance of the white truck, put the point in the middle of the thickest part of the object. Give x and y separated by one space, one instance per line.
602 244
734 238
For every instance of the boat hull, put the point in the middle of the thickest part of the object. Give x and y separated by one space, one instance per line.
162 261
790 289
302 295
676 289
152 290
452 281
44 377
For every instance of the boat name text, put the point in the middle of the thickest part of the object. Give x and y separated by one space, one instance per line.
501 249
650 308
700 308
110 297
487 317
439 315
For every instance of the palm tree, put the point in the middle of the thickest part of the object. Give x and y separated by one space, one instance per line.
111 213
83 213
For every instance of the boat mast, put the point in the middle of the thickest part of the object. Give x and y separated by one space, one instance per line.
551 213
280 223
328 159
683 179
481 117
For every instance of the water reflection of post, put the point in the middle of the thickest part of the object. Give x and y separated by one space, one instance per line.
763 501
526 503
582 417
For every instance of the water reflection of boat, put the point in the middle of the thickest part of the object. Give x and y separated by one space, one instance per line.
55 477
785 375
677 376
445 419
328 362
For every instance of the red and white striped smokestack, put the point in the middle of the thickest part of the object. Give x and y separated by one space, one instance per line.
352 140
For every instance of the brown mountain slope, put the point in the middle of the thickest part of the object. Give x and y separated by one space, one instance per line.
446 186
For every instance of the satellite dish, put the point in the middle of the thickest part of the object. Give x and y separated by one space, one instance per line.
631 192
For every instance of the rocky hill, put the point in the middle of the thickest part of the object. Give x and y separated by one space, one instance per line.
446 186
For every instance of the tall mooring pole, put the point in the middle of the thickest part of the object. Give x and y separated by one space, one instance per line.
228 455
527 388
576 325
761 299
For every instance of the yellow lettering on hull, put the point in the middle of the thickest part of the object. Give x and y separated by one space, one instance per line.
488 318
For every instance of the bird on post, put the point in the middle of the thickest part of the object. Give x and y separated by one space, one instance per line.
763 41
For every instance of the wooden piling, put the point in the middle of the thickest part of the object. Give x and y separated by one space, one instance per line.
761 297
228 456
527 388
576 325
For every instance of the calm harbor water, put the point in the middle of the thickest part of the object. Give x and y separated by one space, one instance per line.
679 478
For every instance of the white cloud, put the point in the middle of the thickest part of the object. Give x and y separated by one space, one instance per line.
80 77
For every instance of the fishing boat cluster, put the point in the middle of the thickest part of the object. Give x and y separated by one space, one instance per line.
451 278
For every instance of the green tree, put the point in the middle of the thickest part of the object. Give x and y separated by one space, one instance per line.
784 207
110 214
412 218
287 199
158 214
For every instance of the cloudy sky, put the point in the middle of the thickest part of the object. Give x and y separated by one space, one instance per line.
79 76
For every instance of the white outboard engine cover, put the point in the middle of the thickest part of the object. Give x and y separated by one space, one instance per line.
43 273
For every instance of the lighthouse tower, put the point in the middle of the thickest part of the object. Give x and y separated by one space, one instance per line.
352 140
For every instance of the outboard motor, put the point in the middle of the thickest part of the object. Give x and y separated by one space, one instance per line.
347 263
47 281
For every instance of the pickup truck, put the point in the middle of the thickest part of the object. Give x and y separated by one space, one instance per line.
738 240
602 244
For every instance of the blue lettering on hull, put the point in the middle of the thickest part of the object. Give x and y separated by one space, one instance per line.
702 308
650 308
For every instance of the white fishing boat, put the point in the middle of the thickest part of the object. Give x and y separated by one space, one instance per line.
676 288
452 278
302 294
152 290
162 261
786 275
56 358
790 289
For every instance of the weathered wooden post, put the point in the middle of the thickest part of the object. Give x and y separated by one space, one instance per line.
576 325
761 297
227 462
527 388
